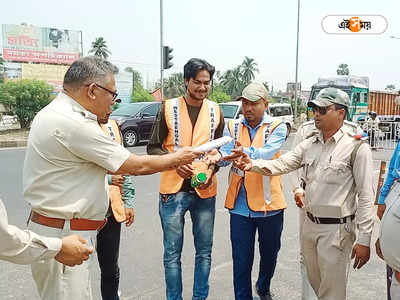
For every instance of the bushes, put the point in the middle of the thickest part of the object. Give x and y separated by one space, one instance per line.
25 98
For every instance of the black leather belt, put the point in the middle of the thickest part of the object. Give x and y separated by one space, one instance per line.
329 220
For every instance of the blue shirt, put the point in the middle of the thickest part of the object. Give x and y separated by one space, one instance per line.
393 174
274 143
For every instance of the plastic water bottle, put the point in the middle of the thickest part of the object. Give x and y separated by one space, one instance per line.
198 179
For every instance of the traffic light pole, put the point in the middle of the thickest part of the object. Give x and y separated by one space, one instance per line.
161 51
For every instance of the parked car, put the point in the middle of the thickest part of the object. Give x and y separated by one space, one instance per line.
231 110
283 112
135 121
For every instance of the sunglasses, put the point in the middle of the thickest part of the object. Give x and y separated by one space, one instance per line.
321 110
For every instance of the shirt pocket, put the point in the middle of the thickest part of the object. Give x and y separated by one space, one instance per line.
336 172
308 164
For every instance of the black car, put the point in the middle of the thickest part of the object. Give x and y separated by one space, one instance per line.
136 121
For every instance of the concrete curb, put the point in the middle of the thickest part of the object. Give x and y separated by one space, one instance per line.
13 144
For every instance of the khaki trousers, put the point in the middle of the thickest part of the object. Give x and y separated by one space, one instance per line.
307 292
327 249
55 281
395 288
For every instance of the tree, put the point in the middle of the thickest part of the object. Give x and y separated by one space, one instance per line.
25 98
343 69
266 85
137 77
141 95
390 87
248 68
174 85
218 95
99 48
1 68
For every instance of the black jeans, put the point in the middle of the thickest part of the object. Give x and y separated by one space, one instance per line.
107 253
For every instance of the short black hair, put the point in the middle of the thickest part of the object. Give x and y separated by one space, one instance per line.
194 66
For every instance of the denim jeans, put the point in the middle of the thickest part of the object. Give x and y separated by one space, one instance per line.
172 210
243 231
107 253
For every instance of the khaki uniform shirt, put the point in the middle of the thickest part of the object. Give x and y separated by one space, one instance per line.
332 184
23 246
308 129
66 161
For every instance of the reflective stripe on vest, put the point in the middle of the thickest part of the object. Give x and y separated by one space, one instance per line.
264 193
181 133
117 205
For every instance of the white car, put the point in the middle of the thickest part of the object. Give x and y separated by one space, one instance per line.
283 112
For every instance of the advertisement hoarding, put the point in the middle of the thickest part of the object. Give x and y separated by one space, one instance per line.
43 45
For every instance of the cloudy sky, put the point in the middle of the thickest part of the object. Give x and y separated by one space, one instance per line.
223 32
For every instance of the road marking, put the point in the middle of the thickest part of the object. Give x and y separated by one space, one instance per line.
12 148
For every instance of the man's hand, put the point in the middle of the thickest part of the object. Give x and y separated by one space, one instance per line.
130 216
117 180
381 210
299 197
208 182
73 251
236 153
186 155
185 171
378 249
243 162
212 157
361 255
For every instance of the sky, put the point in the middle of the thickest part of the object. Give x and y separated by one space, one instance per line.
223 32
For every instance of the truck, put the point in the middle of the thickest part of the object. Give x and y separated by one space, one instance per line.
362 100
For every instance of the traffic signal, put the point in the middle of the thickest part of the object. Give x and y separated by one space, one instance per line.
167 57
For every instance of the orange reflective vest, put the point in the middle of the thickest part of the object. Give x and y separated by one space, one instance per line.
181 133
117 205
264 193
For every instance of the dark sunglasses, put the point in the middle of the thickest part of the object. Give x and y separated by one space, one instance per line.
114 94
320 110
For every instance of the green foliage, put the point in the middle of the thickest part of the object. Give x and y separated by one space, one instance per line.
25 98
343 69
99 48
218 95
137 77
390 87
141 95
235 80
1 68
174 86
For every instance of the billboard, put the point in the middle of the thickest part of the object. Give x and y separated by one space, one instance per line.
38 44
52 74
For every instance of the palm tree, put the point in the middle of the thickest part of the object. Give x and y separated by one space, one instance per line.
249 67
99 48
343 69
174 85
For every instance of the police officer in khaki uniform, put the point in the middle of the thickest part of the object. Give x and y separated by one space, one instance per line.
64 176
25 247
337 168
305 131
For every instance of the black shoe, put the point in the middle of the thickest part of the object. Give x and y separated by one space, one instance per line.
267 296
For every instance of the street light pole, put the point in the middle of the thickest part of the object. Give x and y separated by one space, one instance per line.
161 51
297 60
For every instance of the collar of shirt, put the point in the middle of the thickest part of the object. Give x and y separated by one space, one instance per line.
265 120
335 138
76 107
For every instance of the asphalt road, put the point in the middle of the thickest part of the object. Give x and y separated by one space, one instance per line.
142 276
